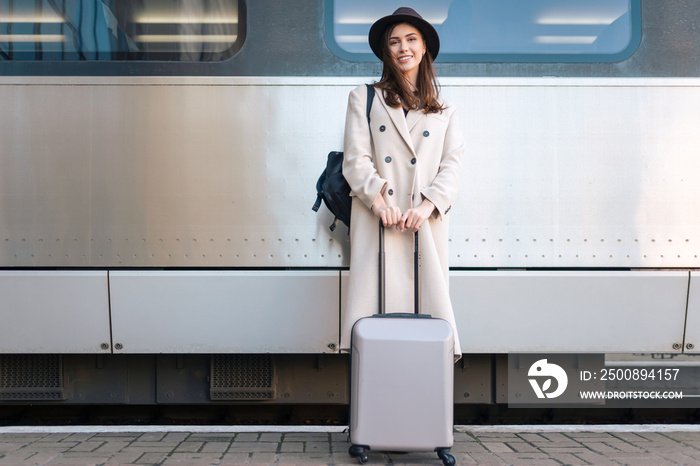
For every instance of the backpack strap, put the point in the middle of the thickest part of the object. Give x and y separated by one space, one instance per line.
370 98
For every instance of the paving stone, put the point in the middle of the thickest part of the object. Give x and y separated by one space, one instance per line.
290 447
151 458
149 448
486 459
6 447
595 458
246 437
193 459
111 447
497 447
601 447
270 437
564 450
28 438
252 447
234 458
678 457
340 437
300 438
463 458
630 437
628 447
304 458
522 447
152 437
80 437
87 446
189 447
261 457
567 458
40 458
176 437
125 457
312 447
59 446
215 447
54 437
469 447
464 437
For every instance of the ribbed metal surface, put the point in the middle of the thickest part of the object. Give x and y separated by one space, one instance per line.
563 173
242 377
31 377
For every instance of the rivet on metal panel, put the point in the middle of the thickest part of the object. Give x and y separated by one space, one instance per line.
331 346
689 346
676 346
118 346
104 346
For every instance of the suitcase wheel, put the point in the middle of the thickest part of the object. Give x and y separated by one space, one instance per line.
360 453
447 459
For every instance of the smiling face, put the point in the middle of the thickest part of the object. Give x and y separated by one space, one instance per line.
407 47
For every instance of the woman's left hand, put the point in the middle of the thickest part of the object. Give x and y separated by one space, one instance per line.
413 218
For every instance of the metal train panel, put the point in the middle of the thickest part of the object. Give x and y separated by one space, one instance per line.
574 311
54 312
220 172
225 312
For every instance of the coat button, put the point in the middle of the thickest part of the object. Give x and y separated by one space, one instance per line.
391 192
426 133
387 159
382 128
413 161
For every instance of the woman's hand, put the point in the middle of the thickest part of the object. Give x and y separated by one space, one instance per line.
412 219
390 215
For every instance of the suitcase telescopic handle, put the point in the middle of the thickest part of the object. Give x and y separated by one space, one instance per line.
382 273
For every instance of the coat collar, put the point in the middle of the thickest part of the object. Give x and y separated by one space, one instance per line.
403 124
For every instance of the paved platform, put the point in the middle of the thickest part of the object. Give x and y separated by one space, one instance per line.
208 445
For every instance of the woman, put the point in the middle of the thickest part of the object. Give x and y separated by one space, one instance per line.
403 168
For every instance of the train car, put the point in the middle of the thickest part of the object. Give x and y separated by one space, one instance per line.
158 163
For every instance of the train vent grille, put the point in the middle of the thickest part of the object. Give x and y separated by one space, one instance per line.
30 377
242 377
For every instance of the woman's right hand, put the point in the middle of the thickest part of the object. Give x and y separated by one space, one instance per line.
390 215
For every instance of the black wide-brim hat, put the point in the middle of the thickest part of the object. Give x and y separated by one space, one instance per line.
404 15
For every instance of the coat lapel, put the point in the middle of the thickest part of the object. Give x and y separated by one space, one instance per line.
412 118
401 122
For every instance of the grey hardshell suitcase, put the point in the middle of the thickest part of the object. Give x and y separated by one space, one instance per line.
402 379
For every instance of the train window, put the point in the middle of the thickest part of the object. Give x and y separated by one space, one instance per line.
500 30
173 30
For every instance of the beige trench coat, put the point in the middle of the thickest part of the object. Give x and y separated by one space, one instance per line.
406 158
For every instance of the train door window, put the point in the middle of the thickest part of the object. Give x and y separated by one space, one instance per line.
170 30
500 30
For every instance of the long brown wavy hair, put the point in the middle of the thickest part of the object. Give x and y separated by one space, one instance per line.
397 89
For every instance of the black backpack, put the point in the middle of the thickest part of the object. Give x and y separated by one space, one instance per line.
331 186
